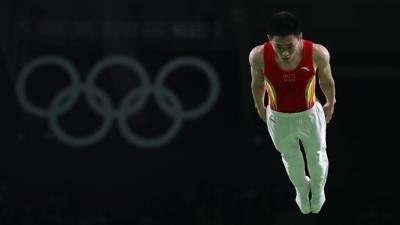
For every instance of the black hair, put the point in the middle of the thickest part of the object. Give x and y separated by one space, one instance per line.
283 23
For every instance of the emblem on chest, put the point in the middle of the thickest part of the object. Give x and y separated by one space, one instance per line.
289 77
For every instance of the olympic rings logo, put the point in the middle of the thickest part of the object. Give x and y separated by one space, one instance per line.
166 99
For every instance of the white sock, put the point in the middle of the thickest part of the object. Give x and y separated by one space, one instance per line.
317 201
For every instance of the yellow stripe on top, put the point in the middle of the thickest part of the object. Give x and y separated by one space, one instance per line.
310 92
271 95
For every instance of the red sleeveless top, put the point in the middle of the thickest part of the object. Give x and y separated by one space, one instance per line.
290 90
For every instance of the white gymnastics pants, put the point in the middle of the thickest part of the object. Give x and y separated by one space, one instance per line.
309 127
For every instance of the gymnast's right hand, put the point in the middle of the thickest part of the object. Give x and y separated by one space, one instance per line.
262 112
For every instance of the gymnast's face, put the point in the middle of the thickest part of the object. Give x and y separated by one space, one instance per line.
285 46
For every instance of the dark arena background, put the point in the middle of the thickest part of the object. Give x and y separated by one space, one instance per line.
140 112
